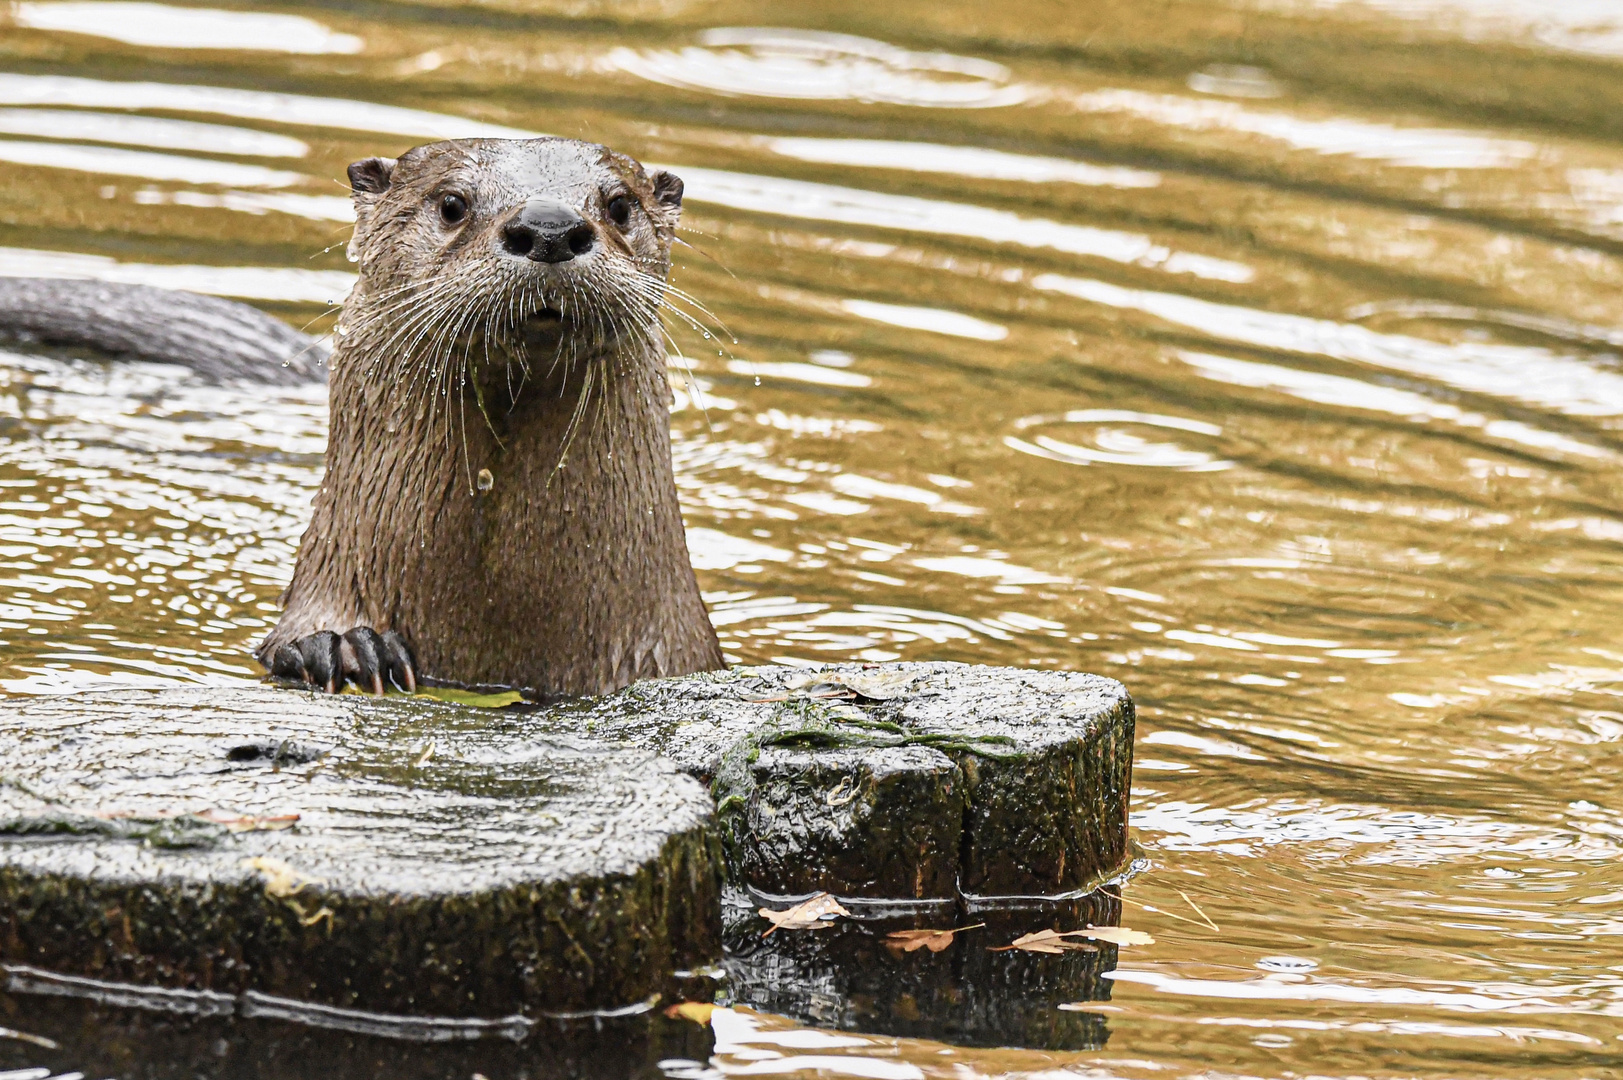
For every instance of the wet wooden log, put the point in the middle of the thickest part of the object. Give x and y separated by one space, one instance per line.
259 849
262 849
916 780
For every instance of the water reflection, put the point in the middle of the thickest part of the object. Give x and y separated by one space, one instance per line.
933 320
314 207
1114 446
158 552
788 63
973 161
974 991
1410 148
1536 376
797 372
166 27
1058 344
291 284
265 106
1580 26
110 161
149 131
1343 392
853 206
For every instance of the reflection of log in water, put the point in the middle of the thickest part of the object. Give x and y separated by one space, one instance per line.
105 1040
846 977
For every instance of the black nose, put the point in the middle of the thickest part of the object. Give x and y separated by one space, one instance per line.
548 231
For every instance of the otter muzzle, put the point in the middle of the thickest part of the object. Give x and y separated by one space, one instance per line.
545 230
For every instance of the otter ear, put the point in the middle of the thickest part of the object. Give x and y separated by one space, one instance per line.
668 188
368 180
370 176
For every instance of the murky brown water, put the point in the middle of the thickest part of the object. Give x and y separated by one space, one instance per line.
1264 356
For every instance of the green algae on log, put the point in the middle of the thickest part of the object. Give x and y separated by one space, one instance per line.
914 780
440 864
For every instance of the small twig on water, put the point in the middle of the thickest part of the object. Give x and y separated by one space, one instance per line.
1168 914
1199 912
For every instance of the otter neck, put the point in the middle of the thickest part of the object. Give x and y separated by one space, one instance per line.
516 520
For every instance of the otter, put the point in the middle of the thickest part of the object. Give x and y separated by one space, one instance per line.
499 508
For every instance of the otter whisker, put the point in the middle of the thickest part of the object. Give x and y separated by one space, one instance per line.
694 390
669 300
575 417
666 290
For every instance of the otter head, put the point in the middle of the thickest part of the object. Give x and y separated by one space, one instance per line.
520 242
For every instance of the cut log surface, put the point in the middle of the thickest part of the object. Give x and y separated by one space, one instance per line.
440 863
901 781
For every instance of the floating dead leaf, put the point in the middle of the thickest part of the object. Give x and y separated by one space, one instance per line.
1118 935
1049 941
696 1011
246 823
1055 941
281 880
812 914
906 941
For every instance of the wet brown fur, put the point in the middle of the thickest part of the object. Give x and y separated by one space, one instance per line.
459 368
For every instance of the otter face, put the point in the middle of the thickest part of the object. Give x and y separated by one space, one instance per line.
522 242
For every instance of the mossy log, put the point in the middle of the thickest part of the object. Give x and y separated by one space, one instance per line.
913 781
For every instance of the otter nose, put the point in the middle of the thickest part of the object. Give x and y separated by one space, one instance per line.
548 231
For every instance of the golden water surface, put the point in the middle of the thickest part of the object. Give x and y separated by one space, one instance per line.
1263 354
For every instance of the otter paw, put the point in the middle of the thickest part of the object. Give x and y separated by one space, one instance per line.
326 661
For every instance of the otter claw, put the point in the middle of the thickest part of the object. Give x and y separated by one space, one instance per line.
320 661
326 661
402 670
363 659
288 665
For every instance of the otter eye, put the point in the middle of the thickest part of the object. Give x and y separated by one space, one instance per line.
620 210
453 208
